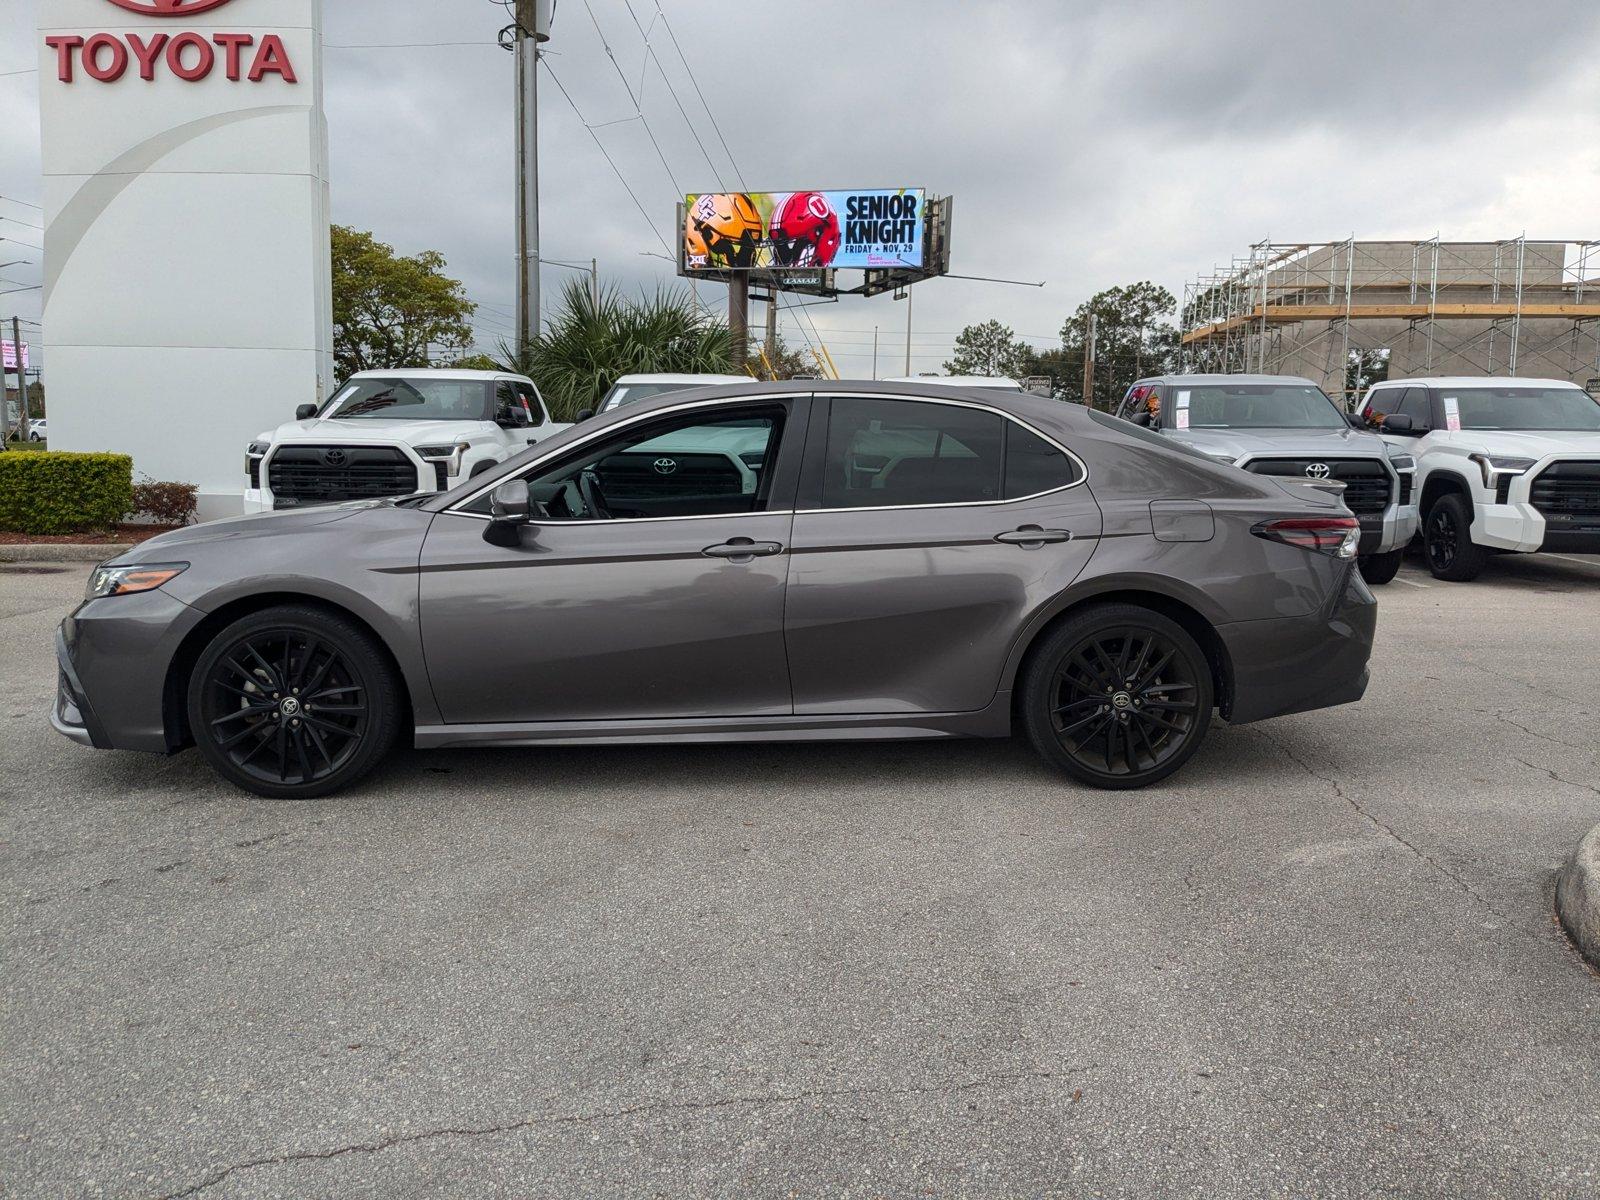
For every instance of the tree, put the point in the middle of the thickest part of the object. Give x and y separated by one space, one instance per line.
587 343
785 364
988 349
389 310
1365 368
1131 339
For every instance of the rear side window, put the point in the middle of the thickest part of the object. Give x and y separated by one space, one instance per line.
1033 465
894 452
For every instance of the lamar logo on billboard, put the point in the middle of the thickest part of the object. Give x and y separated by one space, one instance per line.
191 57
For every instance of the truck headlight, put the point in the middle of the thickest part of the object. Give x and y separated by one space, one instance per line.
258 449
1495 465
123 581
453 453
1400 460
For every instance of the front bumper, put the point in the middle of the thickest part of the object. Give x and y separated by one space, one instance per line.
1293 664
1389 530
72 716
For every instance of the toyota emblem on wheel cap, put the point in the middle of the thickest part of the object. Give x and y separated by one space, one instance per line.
1317 470
334 457
665 466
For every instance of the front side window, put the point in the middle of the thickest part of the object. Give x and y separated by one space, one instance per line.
377 399
1415 406
691 465
530 402
1384 401
1525 408
1260 406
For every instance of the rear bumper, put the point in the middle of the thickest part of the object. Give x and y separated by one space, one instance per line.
1294 664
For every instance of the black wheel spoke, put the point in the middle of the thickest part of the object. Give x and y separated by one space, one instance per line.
1165 706
255 710
1156 670
313 644
233 739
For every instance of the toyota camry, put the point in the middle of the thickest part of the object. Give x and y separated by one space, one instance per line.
789 561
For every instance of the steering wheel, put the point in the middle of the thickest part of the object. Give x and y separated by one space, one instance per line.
594 500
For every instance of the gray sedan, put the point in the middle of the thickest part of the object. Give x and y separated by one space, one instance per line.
764 562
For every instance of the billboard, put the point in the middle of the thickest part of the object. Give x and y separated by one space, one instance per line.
8 356
803 231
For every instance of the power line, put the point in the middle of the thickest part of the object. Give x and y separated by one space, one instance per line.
25 224
24 203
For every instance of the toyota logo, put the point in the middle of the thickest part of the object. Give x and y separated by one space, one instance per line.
665 466
1317 470
169 8
334 457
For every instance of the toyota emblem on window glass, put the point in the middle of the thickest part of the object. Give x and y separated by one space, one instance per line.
1317 470
169 8
334 457
665 466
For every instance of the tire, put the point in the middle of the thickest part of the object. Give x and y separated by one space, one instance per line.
251 710
1381 568
1106 736
1447 539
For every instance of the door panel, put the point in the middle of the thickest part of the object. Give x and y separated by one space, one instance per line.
916 609
587 620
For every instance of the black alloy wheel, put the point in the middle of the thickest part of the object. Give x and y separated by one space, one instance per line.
1118 696
293 703
1452 554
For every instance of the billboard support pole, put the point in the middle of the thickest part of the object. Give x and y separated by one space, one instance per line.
22 381
772 332
874 351
739 316
908 329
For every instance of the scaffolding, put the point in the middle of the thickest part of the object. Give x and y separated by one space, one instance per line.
1514 307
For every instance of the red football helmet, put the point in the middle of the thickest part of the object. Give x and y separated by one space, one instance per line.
805 231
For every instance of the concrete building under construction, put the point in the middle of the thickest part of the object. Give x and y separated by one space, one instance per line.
1516 307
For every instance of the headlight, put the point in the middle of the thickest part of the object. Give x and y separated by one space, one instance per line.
1399 461
121 581
1495 465
452 452
1226 460
257 449
436 451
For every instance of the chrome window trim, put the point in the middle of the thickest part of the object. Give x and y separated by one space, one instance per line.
1083 467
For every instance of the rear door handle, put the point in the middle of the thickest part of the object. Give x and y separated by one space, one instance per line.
742 548
1032 535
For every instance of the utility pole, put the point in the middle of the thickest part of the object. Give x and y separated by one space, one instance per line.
739 315
1088 361
533 27
772 331
908 329
874 351
594 281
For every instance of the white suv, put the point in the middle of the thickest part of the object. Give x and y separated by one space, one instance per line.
392 433
1502 464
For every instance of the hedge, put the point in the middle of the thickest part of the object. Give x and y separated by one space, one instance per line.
56 491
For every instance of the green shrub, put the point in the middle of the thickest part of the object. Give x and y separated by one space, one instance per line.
56 491
166 503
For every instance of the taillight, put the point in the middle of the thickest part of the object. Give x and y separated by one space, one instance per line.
1337 536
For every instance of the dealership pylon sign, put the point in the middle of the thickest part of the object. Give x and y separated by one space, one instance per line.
186 278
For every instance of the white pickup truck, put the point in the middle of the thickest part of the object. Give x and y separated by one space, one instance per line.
393 433
1502 464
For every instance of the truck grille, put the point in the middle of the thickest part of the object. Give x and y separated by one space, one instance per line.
301 475
1367 486
1567 494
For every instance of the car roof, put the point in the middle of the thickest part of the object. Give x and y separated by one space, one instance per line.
436 373
1466 381
1197 380
669 377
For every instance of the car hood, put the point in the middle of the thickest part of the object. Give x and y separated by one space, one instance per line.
1260 443
167 546
1527 444
410 433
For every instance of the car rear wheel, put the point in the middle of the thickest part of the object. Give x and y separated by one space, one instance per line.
1452 554
1381 568
294 702
1118 696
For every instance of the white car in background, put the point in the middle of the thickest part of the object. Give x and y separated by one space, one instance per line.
37 431
394 433
1502 464
998 382
630 388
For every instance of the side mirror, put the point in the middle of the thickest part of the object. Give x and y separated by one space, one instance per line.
1356 421
1397 423
305 412
512 416
583 414
508 503
1141 418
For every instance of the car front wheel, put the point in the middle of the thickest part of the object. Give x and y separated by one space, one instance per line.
294 702
1452 554
1117 696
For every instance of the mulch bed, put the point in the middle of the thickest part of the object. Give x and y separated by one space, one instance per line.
116 535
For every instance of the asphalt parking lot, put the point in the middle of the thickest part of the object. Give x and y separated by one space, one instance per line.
1321 961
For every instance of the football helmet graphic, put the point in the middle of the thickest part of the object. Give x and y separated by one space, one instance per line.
805 231
729 227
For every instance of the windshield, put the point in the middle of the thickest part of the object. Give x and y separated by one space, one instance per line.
1530 408
1255 406
627 393
411 400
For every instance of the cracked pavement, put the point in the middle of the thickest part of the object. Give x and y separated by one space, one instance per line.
1322 960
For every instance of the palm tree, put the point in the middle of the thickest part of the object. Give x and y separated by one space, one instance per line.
588 342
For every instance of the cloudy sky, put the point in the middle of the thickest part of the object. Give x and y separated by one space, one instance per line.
1086 143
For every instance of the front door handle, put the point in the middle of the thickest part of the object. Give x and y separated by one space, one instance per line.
1032 535
742 549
